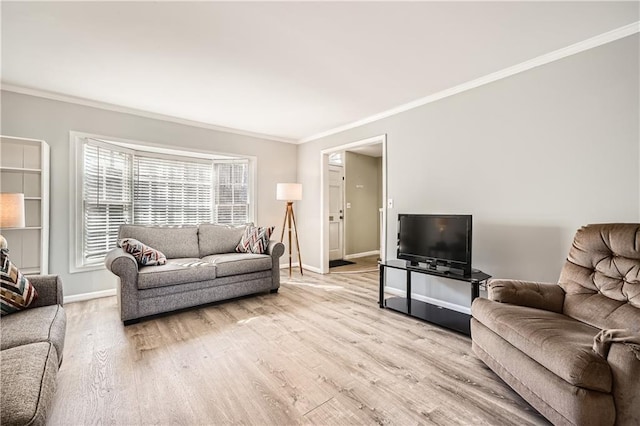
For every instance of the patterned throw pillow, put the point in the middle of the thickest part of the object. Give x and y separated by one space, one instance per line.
255 240
145 255
16 292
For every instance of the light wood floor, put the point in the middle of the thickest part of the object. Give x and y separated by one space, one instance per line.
318 352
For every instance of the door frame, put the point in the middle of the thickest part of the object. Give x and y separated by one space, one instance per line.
324 196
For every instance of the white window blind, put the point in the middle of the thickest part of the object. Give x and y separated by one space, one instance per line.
231 192
107 200
124 185
172 191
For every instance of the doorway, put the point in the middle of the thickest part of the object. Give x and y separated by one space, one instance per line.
354 213
336 212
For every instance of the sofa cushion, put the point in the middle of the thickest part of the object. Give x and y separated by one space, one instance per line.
560 402
16 292
174 242
215 239
557 342
175 271
43 324
144 254
28 383
229 264
159 293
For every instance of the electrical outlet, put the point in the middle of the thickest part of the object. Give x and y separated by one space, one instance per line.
348 205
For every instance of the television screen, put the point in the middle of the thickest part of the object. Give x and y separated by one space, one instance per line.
429 238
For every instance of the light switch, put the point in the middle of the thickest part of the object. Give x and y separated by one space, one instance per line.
390 203
348 205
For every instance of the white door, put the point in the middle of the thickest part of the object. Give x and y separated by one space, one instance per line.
336 209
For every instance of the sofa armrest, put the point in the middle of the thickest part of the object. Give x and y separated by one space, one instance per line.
624 361
121 263
49 288
549 297
275 249
125 267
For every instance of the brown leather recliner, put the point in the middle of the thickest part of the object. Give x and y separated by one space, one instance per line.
571 349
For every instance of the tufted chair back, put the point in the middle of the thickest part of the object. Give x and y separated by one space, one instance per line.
601 277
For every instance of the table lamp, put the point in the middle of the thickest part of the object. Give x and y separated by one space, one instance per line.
11 214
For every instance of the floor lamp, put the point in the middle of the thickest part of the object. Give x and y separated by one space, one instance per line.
290 192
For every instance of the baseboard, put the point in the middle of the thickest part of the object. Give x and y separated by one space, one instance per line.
312 268
89 296
438 302
304 267
363 254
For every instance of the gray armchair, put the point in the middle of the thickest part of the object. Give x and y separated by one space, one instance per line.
32 343
571 349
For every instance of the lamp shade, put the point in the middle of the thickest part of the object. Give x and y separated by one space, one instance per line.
289 191
11 210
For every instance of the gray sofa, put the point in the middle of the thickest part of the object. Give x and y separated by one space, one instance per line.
202 267
31 345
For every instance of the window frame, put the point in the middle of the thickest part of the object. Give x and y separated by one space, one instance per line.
76 183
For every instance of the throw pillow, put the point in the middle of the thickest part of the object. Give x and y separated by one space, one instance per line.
255 240
16 292
145 255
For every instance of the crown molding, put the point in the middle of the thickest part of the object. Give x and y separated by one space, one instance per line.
553 56
141 113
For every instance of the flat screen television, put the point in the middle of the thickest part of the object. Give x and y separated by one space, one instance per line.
443 242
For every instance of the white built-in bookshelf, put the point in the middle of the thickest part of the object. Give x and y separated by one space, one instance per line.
24 168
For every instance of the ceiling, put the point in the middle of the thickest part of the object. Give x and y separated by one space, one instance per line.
288 70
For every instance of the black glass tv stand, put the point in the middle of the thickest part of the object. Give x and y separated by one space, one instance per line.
445 317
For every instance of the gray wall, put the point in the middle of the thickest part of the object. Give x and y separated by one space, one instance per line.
38 118
362 190
532 157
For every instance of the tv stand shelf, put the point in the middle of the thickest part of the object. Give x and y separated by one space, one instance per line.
448 318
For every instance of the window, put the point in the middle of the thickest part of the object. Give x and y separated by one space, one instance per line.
117 184
336 158
231 194
107 202
172 192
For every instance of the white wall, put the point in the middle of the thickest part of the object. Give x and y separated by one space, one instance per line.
533 157
33 117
